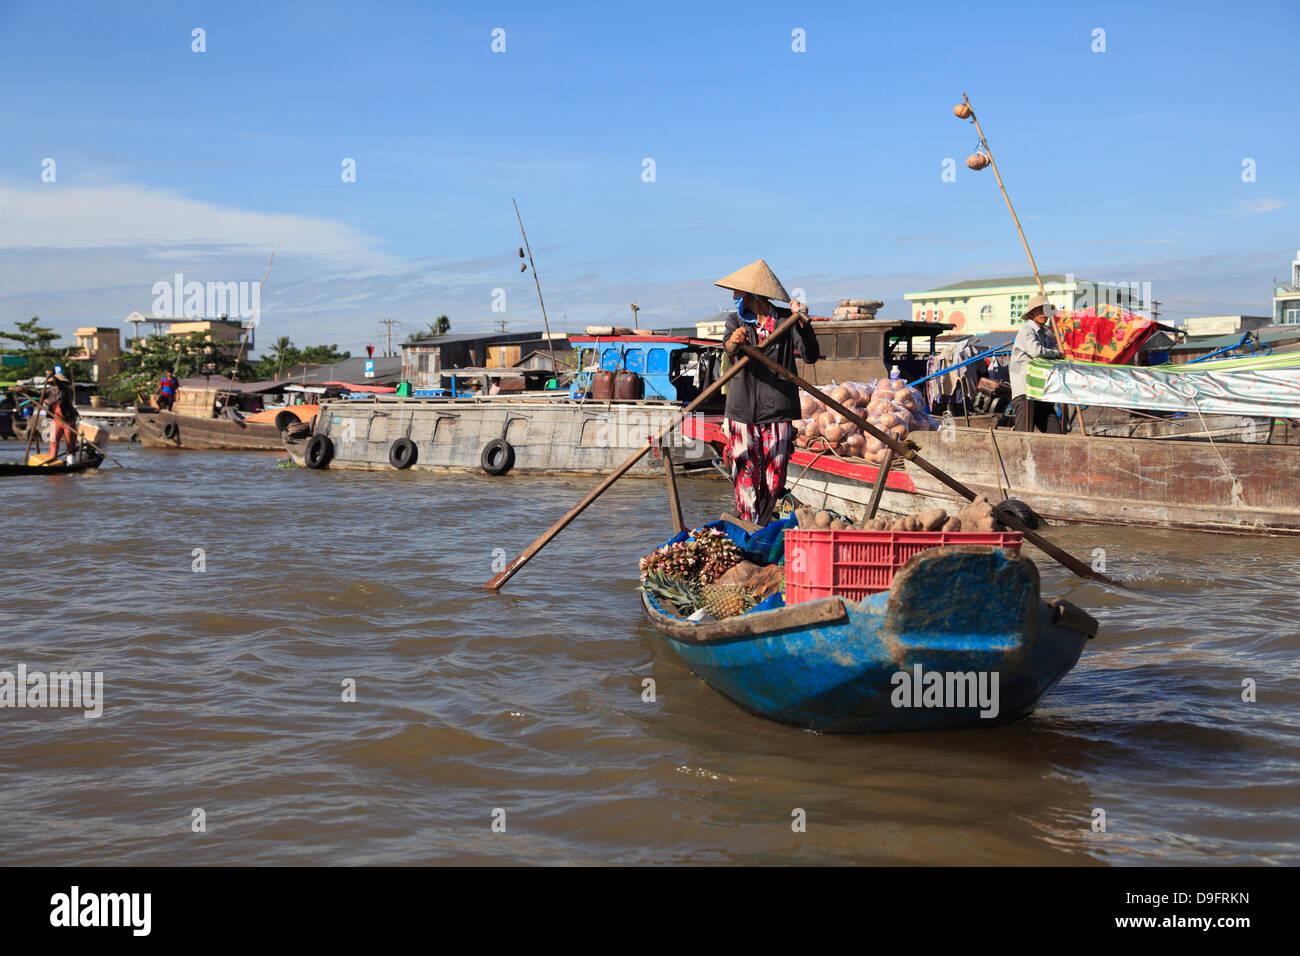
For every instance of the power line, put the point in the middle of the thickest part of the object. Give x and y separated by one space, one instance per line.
388 335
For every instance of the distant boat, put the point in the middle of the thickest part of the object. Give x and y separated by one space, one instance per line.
89 462
210 419
973 616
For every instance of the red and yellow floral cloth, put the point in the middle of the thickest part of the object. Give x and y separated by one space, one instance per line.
1105 334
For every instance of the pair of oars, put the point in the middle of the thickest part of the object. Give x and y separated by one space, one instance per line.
617 473
759 355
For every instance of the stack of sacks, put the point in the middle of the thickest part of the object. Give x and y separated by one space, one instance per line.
892 407
856 309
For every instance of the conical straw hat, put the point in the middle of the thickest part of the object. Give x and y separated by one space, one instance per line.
758 279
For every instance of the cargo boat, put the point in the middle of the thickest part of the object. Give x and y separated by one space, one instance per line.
552 431
1147 478
1232 487
217 419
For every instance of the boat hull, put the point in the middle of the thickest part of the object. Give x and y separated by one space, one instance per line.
1237 488
547 436
89 463
950 611
210 434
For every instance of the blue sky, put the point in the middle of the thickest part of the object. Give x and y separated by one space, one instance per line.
1124 165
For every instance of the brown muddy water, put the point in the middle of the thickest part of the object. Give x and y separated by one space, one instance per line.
222 691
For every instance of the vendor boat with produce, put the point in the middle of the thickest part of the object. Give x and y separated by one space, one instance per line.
870 631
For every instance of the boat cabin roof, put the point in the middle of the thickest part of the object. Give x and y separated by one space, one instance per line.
472 372
906 327
682 340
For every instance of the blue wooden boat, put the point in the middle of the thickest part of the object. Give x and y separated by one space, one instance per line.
971 615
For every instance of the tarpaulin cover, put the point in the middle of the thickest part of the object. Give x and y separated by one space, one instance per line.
1106 334
1267 385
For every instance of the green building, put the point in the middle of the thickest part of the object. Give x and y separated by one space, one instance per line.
977 306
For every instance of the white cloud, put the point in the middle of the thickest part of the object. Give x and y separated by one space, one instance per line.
52 216
1253 207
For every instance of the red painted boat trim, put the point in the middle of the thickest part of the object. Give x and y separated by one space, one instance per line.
859 471
708 428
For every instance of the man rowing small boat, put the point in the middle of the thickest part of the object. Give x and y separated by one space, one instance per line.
760 404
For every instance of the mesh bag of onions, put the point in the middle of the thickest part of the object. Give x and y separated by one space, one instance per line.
892 407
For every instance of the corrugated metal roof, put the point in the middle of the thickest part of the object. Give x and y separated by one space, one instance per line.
996 283
504 338
1269 333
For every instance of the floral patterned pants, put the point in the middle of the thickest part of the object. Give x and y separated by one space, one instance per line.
759 456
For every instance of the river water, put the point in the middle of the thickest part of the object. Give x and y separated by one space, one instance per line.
223 691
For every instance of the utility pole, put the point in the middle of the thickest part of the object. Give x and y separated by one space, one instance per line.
388 336
1155 310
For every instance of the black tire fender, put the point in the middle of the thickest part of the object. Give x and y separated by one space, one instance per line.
403 453
319 451
498 457
1027 515
171 432
285 419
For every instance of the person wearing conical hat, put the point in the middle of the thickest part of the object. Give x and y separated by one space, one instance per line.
761 405
1033 340
61 406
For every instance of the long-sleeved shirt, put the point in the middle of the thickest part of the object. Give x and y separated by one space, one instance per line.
1032 341
758 396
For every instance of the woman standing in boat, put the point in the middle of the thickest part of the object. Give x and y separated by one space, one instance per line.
61 406
761 404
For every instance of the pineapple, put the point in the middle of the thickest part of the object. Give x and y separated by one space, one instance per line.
678 593
726 600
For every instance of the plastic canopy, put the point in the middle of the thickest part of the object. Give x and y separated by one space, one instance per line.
1267 385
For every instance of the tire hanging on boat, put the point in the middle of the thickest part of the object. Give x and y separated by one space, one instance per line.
285 419
402 453
498 457
171 432
1027 515
319 451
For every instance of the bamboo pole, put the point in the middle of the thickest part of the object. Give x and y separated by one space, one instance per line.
243 335
909 454
1060 341
674 502
528 553
878 489
555 364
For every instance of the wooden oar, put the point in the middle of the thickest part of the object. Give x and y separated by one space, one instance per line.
674 502
33 426
88 441
529 552
909 454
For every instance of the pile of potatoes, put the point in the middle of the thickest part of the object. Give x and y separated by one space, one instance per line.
892 407
976 516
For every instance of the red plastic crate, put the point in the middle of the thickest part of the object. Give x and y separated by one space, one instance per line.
853 563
